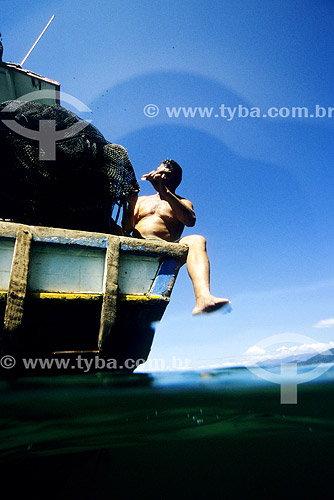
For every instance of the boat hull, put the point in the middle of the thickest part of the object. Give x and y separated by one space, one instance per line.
70 293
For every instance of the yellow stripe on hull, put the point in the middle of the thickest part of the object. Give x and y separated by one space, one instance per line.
141 298
85 296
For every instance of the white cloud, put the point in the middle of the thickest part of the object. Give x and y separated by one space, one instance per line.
284 349
325 323
256 354
255 351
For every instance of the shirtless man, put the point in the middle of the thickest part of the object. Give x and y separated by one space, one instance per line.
164 215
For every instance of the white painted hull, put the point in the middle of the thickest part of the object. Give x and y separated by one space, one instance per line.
78 270
76 298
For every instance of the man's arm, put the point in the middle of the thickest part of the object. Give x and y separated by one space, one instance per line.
182 208
129 210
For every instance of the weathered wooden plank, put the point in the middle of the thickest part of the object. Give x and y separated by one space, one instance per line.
84 238
154 247
18 281
109 305
69 237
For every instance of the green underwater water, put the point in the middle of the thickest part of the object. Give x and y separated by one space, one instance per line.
165 435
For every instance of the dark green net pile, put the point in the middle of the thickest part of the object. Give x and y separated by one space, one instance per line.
77 190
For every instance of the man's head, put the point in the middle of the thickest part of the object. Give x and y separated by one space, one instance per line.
172 173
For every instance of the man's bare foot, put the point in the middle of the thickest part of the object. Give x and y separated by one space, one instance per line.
211 304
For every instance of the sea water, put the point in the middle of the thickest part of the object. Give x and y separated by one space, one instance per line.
213 434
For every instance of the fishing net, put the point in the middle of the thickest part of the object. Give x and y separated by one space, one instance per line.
78 189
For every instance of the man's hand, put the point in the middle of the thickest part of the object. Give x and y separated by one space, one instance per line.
156 179
128 218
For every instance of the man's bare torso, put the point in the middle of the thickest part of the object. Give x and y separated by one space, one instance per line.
155 217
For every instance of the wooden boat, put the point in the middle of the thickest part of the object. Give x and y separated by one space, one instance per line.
65 292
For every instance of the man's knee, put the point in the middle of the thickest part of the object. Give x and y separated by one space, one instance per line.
194 240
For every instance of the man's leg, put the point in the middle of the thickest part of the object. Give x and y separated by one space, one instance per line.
198 266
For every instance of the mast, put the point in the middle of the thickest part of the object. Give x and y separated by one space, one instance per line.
38 39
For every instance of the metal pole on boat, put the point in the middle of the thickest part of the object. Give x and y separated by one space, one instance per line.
38 39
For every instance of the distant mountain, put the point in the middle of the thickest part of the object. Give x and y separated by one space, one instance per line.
300 359
321 358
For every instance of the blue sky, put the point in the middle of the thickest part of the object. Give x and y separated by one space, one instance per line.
262 187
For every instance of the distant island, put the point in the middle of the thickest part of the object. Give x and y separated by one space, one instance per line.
324 357
302 359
